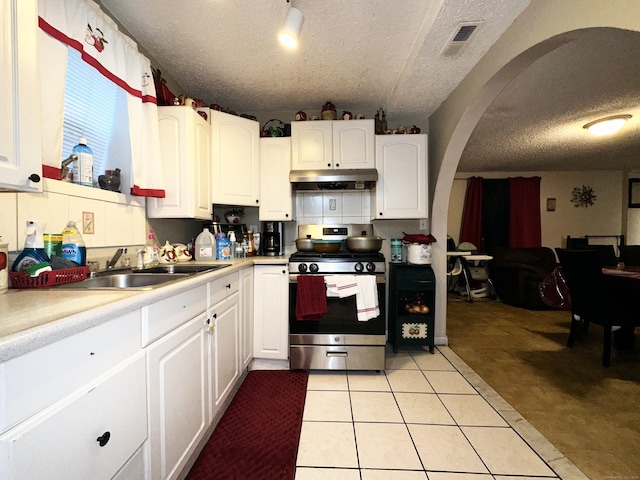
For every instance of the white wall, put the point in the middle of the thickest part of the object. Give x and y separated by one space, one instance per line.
603 218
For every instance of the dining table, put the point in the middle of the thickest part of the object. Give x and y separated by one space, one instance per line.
625 282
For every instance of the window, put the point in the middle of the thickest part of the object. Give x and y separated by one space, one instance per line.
95 108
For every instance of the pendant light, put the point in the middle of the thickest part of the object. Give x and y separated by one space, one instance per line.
288 36
607 125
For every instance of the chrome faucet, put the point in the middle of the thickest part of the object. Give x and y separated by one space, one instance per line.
116 256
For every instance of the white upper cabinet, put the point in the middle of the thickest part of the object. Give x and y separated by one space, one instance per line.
332 144
401 190
20 119
185 144
276 202
353 143
235 160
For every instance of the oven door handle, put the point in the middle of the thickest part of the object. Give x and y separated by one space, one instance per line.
337 354
380 278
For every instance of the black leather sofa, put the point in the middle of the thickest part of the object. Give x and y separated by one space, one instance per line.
516 274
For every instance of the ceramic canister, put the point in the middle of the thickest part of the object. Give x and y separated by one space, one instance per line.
4 266
418 253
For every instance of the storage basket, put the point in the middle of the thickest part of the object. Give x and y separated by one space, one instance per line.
48 279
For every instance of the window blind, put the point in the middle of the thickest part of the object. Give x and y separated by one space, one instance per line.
92 103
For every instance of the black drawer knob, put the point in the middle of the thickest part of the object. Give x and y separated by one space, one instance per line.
104 438
34 177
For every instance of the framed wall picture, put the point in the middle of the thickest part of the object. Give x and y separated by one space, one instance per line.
551 204
634 193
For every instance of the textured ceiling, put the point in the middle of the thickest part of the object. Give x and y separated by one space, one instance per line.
363 54
536 121
359 54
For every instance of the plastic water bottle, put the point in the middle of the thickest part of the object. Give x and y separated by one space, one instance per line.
205 248
83 167
73 247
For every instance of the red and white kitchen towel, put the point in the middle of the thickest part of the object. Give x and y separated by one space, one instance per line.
362 286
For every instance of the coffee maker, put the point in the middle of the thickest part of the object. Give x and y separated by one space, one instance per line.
271 242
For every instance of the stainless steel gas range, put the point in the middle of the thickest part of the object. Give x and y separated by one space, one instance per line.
337 341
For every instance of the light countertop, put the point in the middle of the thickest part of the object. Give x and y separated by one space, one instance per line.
33 318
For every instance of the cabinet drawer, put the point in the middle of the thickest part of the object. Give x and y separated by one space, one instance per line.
166 315
62 442
32 381
221 288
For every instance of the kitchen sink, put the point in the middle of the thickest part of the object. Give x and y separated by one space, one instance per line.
143 279
179 268
129 281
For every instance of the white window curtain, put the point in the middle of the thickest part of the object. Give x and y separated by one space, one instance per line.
80 24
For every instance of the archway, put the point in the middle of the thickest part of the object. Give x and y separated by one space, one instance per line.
541 28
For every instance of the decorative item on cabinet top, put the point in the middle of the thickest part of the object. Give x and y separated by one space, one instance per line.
275 128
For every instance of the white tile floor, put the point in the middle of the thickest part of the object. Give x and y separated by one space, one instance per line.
425 417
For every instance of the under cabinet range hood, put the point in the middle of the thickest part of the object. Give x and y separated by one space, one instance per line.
363 179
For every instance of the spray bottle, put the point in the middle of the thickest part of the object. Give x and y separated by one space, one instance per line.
33 252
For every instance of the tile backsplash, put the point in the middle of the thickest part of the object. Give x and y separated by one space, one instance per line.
333 207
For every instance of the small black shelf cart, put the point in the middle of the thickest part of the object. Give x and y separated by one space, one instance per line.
412 291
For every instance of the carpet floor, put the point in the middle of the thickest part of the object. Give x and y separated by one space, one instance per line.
257 437
590 413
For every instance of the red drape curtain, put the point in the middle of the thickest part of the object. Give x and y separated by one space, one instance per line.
524 212
471 230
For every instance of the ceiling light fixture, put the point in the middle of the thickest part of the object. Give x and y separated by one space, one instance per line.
293 24
607 125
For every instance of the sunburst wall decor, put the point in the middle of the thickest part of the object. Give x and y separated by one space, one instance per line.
583 196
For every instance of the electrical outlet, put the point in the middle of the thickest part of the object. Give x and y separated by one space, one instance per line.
332 204
423 224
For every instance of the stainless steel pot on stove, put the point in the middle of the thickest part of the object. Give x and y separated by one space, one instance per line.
304 244
364 243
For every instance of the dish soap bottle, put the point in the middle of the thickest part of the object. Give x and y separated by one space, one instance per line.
73 247
33 252
205 248
152 250
83 166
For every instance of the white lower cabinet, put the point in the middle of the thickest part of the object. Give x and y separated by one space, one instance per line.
177 376
271 312
246 317
91 433
131 398
224 348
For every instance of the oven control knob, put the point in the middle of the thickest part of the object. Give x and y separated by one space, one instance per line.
302 267
371 267
313 268
359 267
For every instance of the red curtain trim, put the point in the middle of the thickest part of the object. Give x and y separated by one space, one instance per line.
58 35
147 192
51 172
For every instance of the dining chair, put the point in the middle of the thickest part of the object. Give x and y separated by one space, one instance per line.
592 298
630 255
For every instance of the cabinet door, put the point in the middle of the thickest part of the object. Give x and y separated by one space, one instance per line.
185 147
246 318
401 190
275 189
223 347
235 159
312 145
271 307
89 434
20 128
177 397
353 144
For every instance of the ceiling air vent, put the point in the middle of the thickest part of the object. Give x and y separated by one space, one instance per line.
460 39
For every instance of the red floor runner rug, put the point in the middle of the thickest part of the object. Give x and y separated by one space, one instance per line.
257 437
